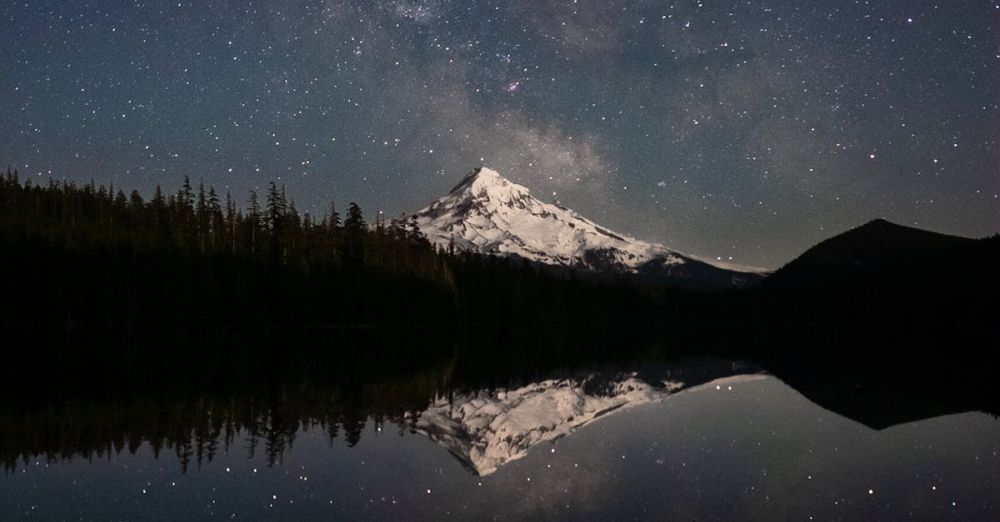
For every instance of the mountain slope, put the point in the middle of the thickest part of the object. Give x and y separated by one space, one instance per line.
488 214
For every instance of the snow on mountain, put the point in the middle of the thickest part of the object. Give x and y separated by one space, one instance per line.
490 428
487 213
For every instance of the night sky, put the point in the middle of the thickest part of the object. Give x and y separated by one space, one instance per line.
749 130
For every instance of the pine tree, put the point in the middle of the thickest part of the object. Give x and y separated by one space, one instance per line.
276 215
334 218
158 206
355 222
214 216
253 219
185 200
202 217
185 197
354 232
231 221
332 222
276 207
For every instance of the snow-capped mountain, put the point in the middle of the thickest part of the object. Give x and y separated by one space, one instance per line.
490 428
486 213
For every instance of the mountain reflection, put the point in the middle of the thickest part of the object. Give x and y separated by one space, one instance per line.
491 427
485 423
706 430
483 427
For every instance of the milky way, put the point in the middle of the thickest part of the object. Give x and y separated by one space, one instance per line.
726 129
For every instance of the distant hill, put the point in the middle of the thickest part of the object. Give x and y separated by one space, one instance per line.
884 297
877 247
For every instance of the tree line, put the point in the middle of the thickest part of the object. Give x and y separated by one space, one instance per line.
198 220
85 250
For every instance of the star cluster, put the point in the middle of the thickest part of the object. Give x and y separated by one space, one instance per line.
741 130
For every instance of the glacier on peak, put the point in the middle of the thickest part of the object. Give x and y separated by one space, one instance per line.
487 213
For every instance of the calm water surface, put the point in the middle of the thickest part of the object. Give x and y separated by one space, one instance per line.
723 446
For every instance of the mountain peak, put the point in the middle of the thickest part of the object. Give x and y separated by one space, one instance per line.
486 182
905 236
880 223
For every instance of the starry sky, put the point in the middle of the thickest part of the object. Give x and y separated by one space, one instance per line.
746 131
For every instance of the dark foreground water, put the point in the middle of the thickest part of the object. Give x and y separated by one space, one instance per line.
722 442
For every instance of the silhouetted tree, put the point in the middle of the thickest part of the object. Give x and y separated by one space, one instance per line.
253 220
354 231
277 211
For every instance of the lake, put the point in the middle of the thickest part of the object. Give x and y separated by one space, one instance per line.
691 440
